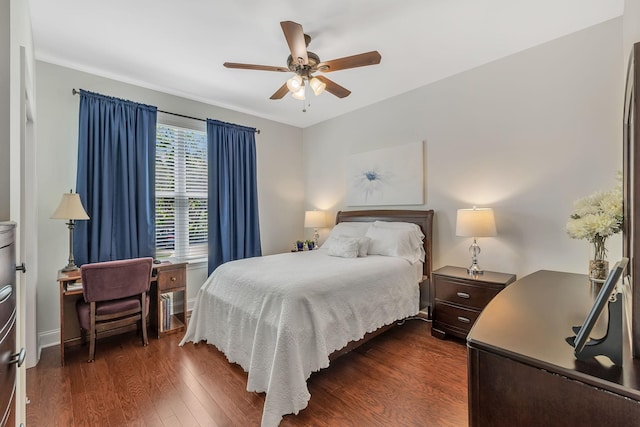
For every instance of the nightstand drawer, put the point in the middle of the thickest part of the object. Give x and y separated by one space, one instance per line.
460 318
169 278
460 292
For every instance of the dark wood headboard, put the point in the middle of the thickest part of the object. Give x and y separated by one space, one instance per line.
424 219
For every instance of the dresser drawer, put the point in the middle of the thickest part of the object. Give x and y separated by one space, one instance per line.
169 278
7 281
7 371
451 316
460 292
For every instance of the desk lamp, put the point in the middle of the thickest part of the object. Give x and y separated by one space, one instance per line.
70 208
476 222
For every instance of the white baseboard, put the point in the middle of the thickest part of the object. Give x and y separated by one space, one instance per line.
49 338
52 337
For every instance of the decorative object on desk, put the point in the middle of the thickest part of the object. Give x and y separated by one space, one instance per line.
598 269
595 218
390 176
475 222
70 208
611 344
315 220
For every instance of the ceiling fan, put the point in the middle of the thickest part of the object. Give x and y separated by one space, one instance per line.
304 63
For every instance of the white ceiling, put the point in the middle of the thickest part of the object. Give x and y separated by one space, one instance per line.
178 47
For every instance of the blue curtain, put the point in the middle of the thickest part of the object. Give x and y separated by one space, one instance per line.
116 179
234 231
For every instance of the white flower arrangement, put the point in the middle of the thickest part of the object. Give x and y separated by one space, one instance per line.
597 217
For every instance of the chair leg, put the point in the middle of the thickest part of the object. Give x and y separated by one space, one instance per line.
143 321
92 333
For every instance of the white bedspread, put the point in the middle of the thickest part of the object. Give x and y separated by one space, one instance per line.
281 316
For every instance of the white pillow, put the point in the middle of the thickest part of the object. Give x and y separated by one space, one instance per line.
417 235
345 247
363 246
401 225
347 229
396 241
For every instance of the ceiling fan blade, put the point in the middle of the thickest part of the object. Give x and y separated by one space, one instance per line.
280 92
334 88
361 60
295 39
255 67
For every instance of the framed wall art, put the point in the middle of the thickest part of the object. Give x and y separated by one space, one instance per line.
389 176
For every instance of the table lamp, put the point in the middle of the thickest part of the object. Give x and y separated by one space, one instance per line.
315 220
475 222
70 208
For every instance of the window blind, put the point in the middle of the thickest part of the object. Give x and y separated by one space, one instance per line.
181 192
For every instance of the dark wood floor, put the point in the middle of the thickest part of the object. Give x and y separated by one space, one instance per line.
401 378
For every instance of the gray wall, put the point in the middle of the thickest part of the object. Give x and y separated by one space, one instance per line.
527 135
280 187
631 26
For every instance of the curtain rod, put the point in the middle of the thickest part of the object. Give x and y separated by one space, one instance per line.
77 92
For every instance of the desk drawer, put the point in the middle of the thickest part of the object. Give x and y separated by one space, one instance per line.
458 291
169 278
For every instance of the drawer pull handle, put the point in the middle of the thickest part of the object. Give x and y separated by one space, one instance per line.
463 319
463 295
18 358
5 293
173 278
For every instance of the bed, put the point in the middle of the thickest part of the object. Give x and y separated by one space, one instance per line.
282 317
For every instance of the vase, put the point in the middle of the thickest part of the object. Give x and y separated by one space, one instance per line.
598 269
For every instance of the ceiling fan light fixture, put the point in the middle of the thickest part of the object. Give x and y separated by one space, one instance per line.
299 94
294 83
317 86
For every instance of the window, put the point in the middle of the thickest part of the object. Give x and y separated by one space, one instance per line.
181 189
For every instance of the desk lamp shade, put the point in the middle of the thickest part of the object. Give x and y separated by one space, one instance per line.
475 222
315 220
70 208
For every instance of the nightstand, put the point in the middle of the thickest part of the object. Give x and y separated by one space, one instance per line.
458 298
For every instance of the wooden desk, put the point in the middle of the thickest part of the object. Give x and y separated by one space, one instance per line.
68 300
69 327
522 372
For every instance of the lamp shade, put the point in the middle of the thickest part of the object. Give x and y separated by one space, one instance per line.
299 94
314 219
476 222
294 83
317 85
70 207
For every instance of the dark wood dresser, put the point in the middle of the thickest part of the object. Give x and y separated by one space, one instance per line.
458 298
8 357
523 373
